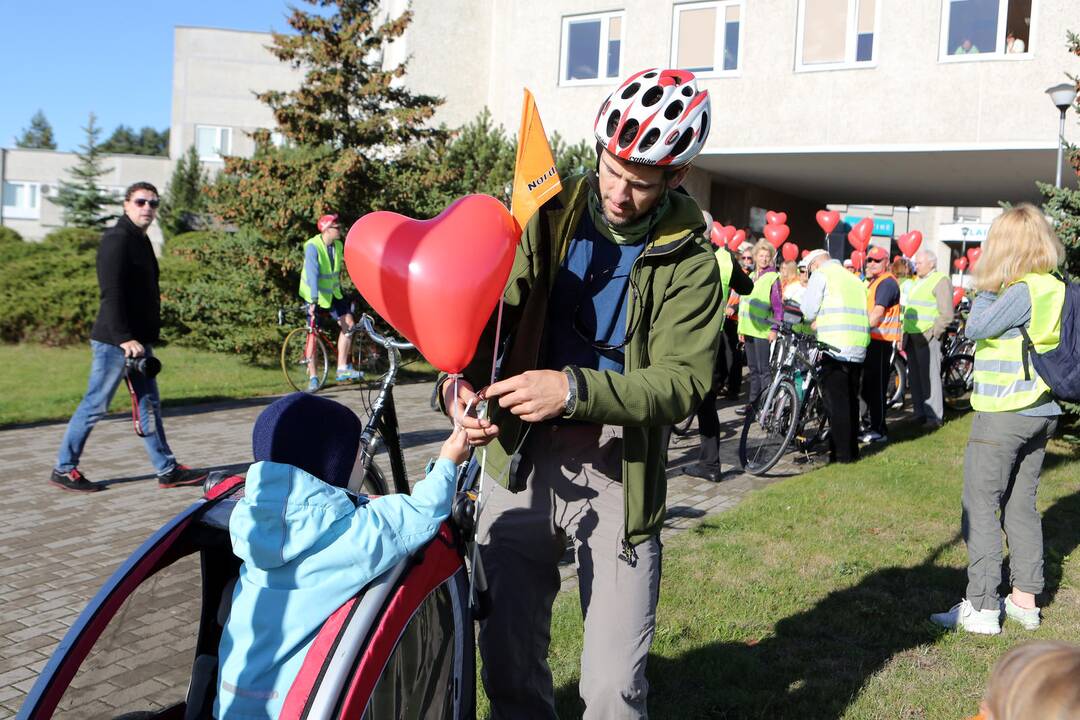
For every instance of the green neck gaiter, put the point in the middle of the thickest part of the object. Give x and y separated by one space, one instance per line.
633 233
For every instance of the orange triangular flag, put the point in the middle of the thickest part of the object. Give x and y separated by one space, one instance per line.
535 176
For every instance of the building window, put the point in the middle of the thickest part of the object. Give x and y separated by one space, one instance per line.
22 200
985 29
836 34
591 48
212 143
706 37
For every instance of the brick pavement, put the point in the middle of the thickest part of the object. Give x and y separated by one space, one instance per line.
57 547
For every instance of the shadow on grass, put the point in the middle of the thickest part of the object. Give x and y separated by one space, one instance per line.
817 661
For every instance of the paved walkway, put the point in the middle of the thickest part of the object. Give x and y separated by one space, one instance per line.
57 548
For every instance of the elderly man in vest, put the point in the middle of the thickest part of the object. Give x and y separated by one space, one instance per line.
320 286
928 312
883 306
835 302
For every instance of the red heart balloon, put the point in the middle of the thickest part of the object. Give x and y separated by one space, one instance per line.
777 234
973 255
804 253
960 263
715 235
858 257
827 220
736 240
957 295
859 237
790 251
775 218
909 243
435 281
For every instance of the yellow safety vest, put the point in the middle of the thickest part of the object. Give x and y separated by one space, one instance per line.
1001 384
755 310
842 320
889 327
921 310
723 259
329 274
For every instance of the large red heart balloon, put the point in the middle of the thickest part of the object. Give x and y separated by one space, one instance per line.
776 234
715 236
859 237
827 220
960 263
775 218
737 239
973 255
909 243
790 251
435 281
957 295
858 257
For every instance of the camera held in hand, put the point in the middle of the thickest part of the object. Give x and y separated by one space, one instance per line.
148 366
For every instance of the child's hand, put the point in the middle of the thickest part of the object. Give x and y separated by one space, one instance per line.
456 447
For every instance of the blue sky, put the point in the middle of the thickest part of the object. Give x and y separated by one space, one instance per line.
71 57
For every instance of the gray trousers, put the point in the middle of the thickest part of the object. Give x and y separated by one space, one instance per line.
924 376
573 493
1002 464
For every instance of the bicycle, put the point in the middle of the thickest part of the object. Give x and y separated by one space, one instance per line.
957 368
791 408
306 351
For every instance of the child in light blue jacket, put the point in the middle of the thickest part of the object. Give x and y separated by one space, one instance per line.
308 545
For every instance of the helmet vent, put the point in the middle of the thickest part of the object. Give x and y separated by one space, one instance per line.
613 122
652 96
684 142
650 74
629 133
672 111
649 140
703 133
630 90
688 91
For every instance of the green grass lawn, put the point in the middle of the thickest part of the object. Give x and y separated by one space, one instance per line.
810 599
46 383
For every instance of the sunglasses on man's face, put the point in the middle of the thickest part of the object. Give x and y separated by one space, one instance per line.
143 201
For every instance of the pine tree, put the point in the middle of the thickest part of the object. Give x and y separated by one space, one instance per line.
38 135
184 199
83 200
147 141
1063 204
352 133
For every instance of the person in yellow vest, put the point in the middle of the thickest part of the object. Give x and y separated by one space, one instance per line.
883 308
734 352
733 280
320 287
928 311
1015 415
835 302
760 315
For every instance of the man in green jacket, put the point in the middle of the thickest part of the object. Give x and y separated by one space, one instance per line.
611 323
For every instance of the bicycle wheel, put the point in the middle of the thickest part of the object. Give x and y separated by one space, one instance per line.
368 357
374 482
956 380
896 387
813 422
300 364
768 429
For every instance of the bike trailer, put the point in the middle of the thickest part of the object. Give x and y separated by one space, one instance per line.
146 646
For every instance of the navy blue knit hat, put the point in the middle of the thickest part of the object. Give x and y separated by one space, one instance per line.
317 435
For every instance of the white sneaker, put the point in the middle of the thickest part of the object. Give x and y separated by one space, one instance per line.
964 616
870 436
1028 618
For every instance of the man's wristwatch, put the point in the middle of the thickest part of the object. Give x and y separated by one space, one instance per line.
570 403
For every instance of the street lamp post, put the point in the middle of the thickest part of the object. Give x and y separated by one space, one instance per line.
1063 96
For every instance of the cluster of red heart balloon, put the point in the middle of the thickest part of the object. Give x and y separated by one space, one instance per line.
728 235
963 263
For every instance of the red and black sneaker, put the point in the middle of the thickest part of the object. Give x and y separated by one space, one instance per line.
73 480
180 476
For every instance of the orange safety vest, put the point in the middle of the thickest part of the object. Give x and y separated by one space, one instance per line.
890 327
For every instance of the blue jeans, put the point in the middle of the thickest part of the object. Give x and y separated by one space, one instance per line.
106 374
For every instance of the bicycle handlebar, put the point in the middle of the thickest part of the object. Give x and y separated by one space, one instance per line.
387 342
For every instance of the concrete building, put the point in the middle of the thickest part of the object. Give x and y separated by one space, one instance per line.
871 108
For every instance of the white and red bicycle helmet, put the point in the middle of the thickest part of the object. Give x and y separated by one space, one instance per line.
655 117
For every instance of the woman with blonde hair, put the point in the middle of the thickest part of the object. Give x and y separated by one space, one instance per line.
1015 416
1034 680
760 315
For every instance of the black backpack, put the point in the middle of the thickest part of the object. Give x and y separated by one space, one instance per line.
1060 368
